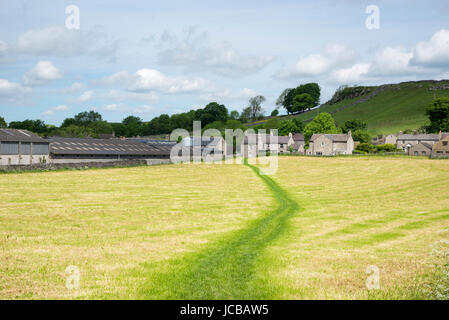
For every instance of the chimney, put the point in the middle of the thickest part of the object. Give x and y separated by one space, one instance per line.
400 132
440 135
349 133
415 132
290 135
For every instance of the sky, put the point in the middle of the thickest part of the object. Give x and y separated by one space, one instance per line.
147 58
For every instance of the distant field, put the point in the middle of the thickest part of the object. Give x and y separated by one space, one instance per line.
224 231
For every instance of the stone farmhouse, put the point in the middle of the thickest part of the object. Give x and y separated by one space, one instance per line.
420 149
330 144
299 142
441 148
406 141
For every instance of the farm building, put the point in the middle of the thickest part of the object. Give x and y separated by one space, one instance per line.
330 144
441 148
406 141
72 150
22 147
299 142
420 149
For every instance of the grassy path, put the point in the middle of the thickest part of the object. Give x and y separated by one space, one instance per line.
227 270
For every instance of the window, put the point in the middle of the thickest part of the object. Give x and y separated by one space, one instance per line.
423 153
319 153
416 153
322 143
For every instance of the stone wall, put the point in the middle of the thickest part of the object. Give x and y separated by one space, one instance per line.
56 166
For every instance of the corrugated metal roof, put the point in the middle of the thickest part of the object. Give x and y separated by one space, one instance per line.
90 146
17 135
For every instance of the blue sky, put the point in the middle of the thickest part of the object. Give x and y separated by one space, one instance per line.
152 57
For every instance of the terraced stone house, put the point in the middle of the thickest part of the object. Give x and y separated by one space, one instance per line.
330 144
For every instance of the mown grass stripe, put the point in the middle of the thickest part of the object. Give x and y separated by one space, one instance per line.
226 270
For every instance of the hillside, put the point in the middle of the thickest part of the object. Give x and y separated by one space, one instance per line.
387 108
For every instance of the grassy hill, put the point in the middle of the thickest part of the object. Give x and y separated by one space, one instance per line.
387 108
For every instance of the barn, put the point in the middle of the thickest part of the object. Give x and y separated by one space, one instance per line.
22 147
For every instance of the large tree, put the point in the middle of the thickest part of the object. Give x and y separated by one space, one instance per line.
255 103
322 123
302 102
286 99
36 126
438 113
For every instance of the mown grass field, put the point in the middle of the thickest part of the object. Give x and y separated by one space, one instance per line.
224 231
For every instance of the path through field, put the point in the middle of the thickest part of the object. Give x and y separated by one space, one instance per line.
227 270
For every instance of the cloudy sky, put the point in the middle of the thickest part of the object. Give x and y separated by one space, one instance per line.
151 57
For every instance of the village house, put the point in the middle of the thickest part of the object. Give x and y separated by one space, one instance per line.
330 144
406 141
22 147
260 143
441 148
299 142
420 149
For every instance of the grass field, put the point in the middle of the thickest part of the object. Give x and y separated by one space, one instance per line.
225 231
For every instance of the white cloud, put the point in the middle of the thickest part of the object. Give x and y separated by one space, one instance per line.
145 109
392 61
13 92
121 108
62 42
52 111
43 72
149 80
354 74
227 95
334 56
433 53
86 96
126 96
194 51
114 108
75 87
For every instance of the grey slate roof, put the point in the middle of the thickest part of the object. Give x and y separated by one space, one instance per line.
430 137
266 138
333 137
90 146
298 137
16 135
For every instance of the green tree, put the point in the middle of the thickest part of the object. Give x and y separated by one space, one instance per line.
245 115
3 123
36 126
255 103
234 115
354 125
361 136
274 113
98 127
87 117
286 99
322 123
438 114
133 126
288 126
302 102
